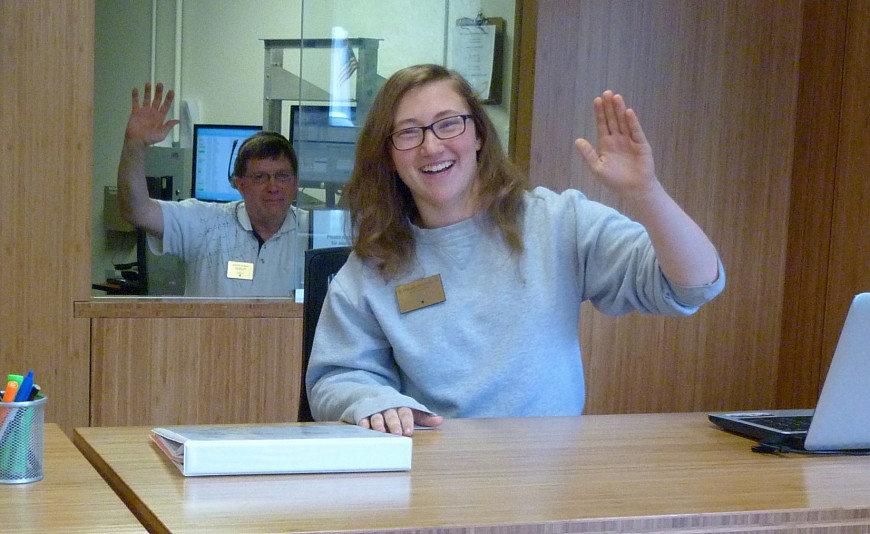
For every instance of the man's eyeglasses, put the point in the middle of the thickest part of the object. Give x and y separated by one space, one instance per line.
446 128
263 177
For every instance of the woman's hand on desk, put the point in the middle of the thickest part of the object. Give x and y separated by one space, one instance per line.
400 421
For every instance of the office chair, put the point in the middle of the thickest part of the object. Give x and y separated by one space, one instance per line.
321 264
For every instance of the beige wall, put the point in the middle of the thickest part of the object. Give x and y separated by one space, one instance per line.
215 71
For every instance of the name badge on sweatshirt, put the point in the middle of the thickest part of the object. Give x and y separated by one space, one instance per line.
420 293
240 270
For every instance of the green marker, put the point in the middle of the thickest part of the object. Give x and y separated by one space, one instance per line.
13 378
17 378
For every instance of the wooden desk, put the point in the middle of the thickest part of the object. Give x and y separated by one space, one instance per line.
71 498
625 472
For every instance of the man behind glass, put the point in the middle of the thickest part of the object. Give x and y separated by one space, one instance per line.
246 248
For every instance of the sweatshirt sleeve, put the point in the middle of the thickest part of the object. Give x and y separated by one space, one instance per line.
619 268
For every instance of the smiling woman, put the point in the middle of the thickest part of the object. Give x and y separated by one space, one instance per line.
440 174
404 337
186 43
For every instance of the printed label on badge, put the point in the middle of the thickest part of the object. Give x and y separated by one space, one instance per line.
240 270
420 293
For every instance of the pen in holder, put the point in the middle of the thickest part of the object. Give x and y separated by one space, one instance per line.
22 434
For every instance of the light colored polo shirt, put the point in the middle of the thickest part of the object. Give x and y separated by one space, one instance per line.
207 236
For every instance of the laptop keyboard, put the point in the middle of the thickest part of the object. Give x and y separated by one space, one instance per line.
795 423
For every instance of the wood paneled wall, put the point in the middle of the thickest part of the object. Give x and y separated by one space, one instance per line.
46 95
823 46
742 102
758 117
173 371
849 260
164 362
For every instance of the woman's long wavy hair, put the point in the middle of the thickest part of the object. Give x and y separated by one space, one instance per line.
381 206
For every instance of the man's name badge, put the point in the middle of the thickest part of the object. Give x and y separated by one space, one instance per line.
240 270
420 293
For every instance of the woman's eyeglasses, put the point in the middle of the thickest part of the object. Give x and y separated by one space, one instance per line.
446 128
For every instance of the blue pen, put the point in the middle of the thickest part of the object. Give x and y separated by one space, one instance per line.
25 387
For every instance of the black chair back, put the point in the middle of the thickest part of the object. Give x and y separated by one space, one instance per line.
321 264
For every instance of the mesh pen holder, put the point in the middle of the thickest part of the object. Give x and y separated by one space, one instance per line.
22 432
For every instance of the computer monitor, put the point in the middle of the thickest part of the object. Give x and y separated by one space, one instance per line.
324 139
215 147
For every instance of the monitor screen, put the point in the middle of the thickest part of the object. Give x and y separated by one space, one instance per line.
324 139
215 148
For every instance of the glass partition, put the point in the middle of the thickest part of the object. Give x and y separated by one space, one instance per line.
306 69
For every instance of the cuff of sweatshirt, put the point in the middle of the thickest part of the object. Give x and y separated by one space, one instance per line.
690 298
367 407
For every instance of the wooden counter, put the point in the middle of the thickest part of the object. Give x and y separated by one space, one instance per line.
128 307
165 361
638 473
71 498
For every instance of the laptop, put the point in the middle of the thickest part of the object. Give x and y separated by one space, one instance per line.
841 419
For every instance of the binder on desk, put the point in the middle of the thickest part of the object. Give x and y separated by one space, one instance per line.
278 449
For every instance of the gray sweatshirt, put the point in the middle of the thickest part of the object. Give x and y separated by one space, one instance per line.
504 342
